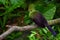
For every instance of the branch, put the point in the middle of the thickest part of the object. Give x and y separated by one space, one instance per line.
28 27
55 21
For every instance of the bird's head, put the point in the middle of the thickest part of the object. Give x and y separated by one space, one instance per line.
31 10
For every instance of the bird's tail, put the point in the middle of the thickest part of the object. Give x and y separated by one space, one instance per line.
52 31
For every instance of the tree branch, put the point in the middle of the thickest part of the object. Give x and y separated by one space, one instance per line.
28 27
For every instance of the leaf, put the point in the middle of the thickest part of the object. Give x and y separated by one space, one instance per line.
3 1
49 14
21 2
32 36
4 21
16 1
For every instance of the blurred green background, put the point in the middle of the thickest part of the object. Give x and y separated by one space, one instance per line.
15 12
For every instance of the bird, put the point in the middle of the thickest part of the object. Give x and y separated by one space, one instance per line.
37 17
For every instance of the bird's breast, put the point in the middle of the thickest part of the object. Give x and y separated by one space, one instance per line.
39 20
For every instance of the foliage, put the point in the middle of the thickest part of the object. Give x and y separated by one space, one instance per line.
16 11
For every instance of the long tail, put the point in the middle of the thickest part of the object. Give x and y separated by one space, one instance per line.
52 31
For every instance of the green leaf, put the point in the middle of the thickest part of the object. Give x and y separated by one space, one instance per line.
32 36
10 9
4 21
49 14
3 1
14 2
